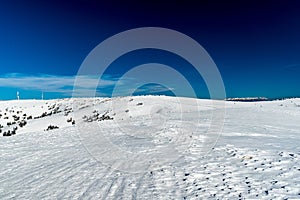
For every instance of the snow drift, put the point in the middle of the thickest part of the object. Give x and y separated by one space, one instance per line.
149 147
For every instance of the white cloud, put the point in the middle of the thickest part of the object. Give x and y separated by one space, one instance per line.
153 89
78 86
55 83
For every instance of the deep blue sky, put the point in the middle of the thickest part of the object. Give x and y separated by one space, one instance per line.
255 44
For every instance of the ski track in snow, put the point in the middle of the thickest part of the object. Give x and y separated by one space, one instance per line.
256 157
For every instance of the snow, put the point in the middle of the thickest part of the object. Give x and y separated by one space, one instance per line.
155 147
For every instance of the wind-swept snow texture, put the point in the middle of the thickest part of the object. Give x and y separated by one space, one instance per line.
149 147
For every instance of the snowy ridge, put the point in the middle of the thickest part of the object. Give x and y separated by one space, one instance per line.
257 155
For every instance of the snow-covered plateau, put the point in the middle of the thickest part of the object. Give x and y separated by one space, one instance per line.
149 147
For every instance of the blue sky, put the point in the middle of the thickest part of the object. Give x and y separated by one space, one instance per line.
255 44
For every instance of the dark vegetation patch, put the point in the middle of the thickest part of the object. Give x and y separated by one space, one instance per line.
51 127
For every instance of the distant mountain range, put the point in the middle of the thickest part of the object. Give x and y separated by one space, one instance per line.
248 99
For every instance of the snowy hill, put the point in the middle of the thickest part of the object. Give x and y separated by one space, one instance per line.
149 147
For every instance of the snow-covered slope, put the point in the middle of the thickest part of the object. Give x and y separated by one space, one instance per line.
149 147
